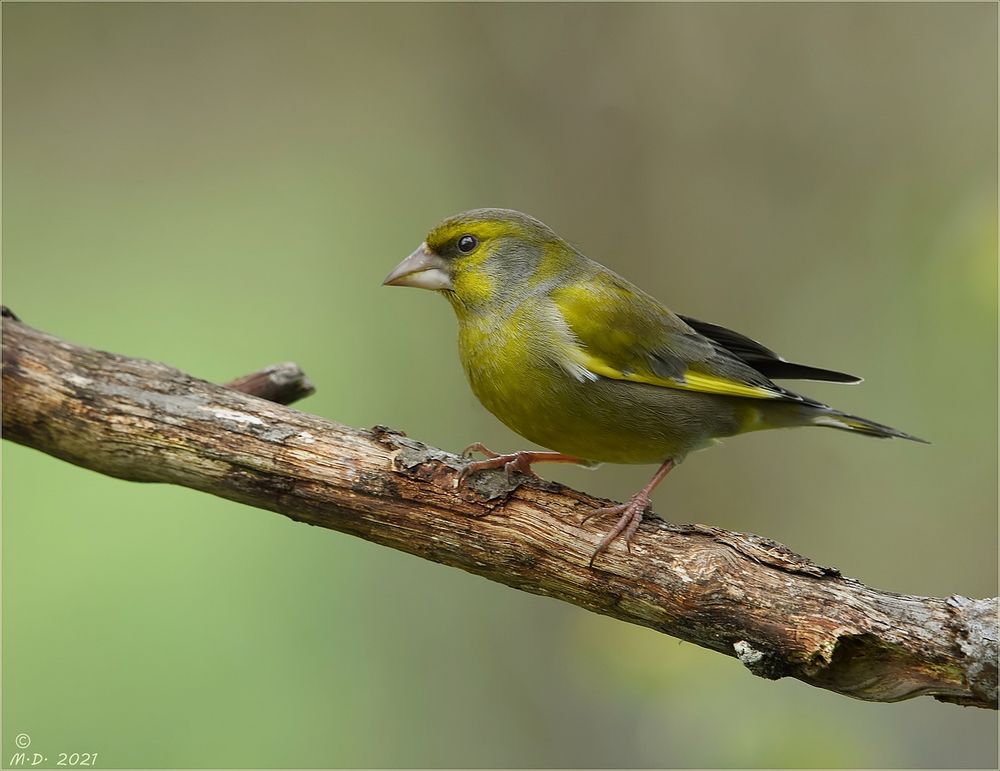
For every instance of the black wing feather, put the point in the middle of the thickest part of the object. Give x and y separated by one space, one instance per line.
763 359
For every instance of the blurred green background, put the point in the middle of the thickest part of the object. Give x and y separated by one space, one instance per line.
224 186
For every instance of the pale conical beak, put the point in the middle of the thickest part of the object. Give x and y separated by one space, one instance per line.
422 269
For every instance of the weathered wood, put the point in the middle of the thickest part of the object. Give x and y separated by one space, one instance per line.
736 593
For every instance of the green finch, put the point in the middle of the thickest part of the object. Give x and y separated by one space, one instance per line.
573 357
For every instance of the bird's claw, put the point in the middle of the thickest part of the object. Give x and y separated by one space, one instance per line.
630 517
515 462
479 447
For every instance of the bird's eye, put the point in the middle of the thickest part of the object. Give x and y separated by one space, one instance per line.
467 243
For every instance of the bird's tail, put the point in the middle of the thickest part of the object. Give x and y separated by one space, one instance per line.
844 422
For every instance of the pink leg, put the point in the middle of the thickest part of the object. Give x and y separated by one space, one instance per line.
630 513
511 462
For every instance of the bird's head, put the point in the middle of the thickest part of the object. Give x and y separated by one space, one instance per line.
482 257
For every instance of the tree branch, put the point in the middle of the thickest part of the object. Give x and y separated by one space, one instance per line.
283 383
736 593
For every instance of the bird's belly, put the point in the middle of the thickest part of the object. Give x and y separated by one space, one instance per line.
602 420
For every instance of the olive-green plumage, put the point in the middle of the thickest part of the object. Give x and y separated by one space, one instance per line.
575 358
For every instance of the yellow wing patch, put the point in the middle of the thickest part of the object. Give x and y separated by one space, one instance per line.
691 381
698 381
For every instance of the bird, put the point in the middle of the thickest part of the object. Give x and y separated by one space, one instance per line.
575 358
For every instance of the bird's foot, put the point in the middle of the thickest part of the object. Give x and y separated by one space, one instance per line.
630 514
511 463
629 518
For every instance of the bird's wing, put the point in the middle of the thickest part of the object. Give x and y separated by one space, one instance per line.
763 359
619 332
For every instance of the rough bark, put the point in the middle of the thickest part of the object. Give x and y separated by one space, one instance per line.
736 593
